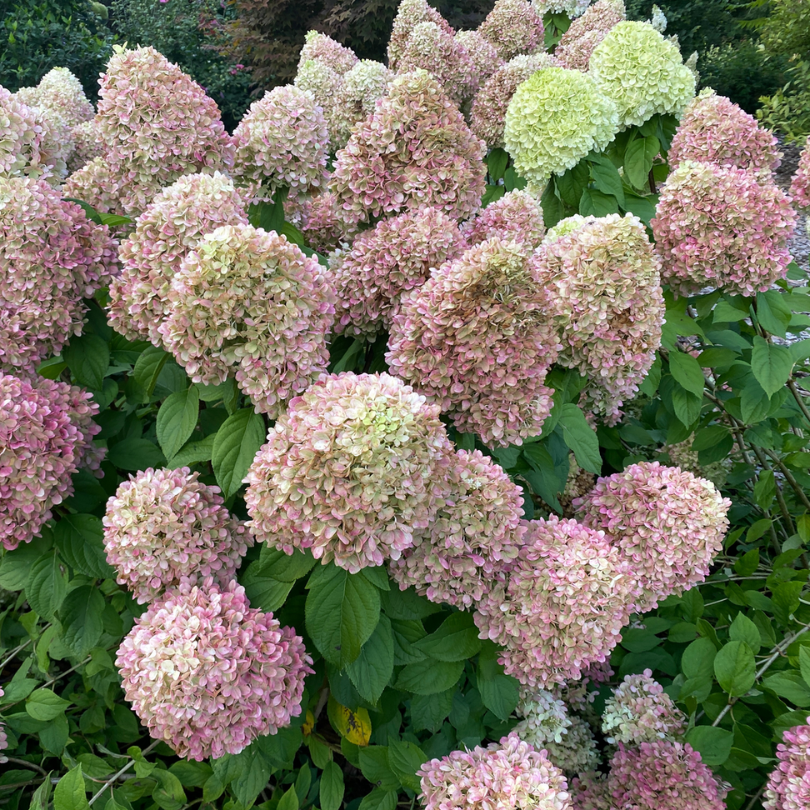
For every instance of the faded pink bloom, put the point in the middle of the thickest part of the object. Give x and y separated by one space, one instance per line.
514 28
86 145
324 85
576 751
357 98
384 263
585 33
666 523
589 791
509 774
640 711
352 470
95 184
415 150
46 435
165 527
492 100
473 537
800 186
248 303
208 674
60 91
156 124
789 783
172 224
663 775
51 257
718 226
323 48
566 599
282 141
517 215
477 339
320 224
715 130
482 52
410 14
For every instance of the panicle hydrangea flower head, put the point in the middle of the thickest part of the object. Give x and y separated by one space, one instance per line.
431 48
667 523
567 597
473 537
207 674
492 100
578 43
513 27
718 226
86 145
482 52
28 145
396 256
156 124
605 282
641 711
789 783
46 433
576 751
283 140
248 303
517 215
410 14
323 229
350 471
589 791
172 225
327 50
60 90
554 119
165 527
415 150
95 184
51 257
357 98
545 718
800 186
642 72
715 130
663 775
573 8
323 84
477 339
507 774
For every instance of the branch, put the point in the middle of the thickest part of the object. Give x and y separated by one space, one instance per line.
123 770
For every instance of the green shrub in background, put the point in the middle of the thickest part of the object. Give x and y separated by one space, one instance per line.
177 28
37 35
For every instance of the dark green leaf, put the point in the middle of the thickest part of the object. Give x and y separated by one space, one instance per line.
791 686
379 799
81 617
499 691
372 669
771 365
497 161
238 440
638 159
743 629
44 704
331 787
405 759
773 312
581 438
70 791
597 204
607 179
87 357
193 453
734 668
713 744
686 371
275 563
168 793
177 419
46 586
375 767
80 540
136 454
456 639
148 367
429 677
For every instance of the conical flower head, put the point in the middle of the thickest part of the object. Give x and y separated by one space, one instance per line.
789 783
517 216
514 28
60 90
410 14
800 187
357 98
578 43
415 150
323 48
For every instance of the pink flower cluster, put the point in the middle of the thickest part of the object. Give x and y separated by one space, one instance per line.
589 791
585 33
667 524
351 470
565 601
715 130
517 216
789 783
514 28
86 145
508 774
95 184
208 674
396 256
323 85
431 48
663 775
605 291
800 186
357 98
410 14
156 124
51 257
640 711
323 229
482 52
164 527
46 433
719 226
323 48
282 141
489 107
60 91
248 303
576 752
172 225
472 538
414 151
477 339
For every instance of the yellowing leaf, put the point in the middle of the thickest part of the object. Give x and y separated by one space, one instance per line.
354 726
309 724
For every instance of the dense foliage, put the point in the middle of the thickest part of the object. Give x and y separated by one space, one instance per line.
440 437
